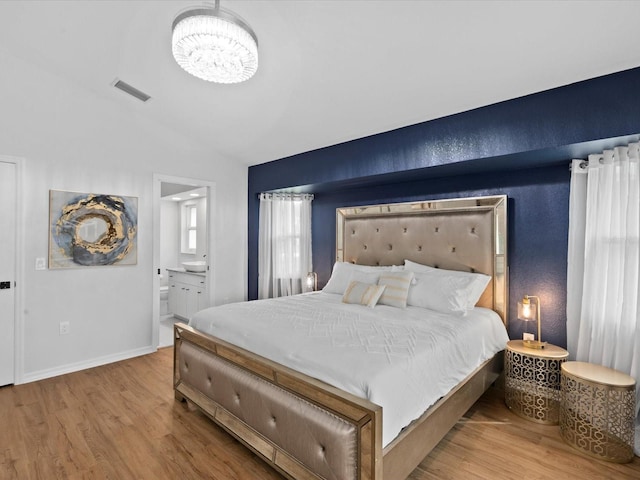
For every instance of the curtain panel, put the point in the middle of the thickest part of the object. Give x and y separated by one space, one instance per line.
604 262
284 244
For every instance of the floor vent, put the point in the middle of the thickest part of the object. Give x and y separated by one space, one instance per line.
133 91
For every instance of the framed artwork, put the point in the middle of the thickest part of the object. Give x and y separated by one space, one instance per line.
89 230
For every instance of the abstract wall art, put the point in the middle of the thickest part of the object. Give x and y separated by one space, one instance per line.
88 230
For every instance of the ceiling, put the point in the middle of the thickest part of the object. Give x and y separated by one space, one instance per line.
179 192
330 71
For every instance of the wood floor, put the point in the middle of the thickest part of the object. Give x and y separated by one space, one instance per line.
120 421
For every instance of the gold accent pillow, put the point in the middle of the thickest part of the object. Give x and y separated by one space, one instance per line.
397 288
363 294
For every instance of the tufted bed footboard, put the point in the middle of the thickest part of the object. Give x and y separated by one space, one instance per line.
302 427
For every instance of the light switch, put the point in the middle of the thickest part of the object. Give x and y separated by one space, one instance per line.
41 263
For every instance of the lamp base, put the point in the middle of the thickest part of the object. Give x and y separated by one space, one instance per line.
534 344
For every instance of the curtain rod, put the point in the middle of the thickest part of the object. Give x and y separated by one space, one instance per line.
308 196
584 163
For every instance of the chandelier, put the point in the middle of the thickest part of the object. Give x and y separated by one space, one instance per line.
214 44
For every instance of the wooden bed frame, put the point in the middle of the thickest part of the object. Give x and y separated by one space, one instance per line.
461 234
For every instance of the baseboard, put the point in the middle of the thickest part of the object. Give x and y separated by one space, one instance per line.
76 367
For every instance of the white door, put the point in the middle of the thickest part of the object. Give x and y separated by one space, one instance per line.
7 269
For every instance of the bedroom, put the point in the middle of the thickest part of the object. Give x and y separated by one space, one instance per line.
75 132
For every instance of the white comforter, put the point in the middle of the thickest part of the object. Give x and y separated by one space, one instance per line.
401 359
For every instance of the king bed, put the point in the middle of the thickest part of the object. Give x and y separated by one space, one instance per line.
363 379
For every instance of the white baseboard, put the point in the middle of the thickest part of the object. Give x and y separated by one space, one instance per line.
76 367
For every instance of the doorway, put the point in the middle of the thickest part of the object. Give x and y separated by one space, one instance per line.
183 234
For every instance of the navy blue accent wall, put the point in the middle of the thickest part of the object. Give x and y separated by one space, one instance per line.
509 134
520 148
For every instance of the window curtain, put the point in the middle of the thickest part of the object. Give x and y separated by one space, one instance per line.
604 262
284 244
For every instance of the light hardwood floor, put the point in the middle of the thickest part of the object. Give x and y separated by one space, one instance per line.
120 421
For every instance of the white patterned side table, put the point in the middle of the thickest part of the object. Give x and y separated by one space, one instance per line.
597 411
532 381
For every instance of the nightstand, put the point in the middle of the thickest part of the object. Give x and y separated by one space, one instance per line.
598 410
532 381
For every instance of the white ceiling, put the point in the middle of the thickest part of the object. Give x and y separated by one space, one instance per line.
330 71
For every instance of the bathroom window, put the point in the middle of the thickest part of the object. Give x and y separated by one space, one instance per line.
189 228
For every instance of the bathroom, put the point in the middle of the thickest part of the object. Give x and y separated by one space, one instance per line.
183 242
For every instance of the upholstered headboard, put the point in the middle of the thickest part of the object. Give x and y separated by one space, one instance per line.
467 234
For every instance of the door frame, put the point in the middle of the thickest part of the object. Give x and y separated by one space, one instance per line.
158 179
19 274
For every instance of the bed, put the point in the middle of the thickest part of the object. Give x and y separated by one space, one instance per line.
308 425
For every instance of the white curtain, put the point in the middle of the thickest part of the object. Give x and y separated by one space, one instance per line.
604 262
284 244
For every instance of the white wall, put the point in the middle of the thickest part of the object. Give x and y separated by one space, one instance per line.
169 237
77 140
201 231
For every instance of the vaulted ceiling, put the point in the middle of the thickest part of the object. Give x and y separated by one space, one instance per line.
330 71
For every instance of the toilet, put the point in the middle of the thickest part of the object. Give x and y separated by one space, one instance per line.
164 300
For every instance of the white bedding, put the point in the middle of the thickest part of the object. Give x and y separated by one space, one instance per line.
401 359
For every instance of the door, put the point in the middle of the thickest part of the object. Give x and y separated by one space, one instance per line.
7 270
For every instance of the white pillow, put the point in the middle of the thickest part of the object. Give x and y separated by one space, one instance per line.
447 291
363 294
364 277
343 271
397 291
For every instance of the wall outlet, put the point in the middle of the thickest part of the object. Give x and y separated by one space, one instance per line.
41 263
64 328
528 336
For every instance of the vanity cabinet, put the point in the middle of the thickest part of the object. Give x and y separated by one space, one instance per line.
187 293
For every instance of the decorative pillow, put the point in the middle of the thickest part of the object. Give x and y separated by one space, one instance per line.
343 271
363 294
446 291
397 291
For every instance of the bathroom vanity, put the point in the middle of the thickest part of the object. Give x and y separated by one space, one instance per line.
187 292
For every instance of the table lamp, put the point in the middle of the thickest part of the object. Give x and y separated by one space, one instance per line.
528 312
312 281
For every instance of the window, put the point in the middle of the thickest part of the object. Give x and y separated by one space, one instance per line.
284 252
189 228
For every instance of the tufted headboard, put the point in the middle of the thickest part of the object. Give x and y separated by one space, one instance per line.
467 234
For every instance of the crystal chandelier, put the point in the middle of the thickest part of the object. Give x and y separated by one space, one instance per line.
214 45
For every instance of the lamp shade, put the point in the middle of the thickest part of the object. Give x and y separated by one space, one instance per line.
527 311
312 281
214 45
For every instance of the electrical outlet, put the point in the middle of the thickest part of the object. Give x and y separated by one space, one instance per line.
528 336
41 263
64 328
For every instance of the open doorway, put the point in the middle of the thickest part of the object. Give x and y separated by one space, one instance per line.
183 213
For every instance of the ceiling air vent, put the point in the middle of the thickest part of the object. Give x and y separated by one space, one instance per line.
133 91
